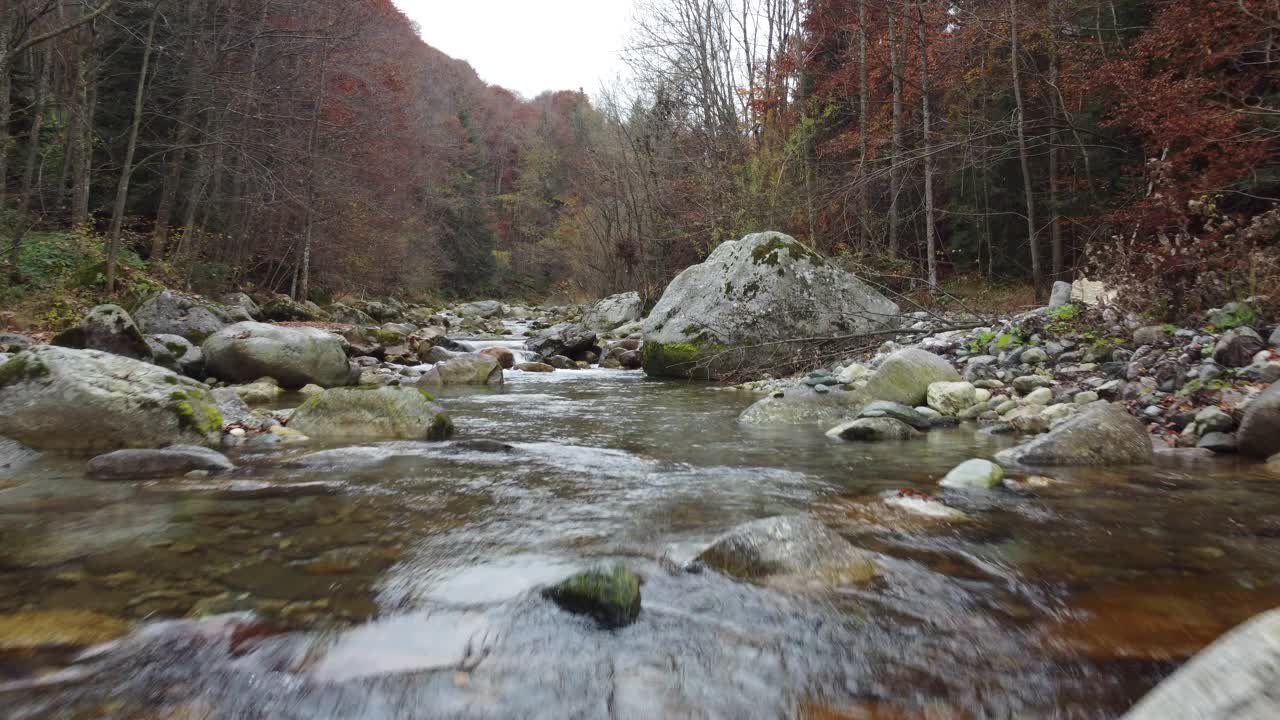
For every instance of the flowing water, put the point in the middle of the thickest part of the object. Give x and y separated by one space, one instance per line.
405 584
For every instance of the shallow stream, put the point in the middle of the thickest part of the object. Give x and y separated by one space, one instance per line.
405 585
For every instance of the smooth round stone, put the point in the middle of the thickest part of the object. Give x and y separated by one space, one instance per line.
974 473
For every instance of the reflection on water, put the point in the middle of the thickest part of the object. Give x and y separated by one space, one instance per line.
403 582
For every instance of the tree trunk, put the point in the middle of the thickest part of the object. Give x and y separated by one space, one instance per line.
85 102
1036 272
864 202
122 187
895 153
29 171
304 281
6 112
1055 227
930 228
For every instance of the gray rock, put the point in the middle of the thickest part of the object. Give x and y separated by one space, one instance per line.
897 411
1101 434
802 407
1259 433
283 308
13 342
480 309
294 356
383 413
171 314
1236 348
469 369
1213 419
1235 678
180 353
534 367
1274 340
981 367
973 474
560 362
788 545
110 329
240 307
905 376
1029 383
874 429
1034 356
1219 442
951 398
1155 335
1060 294
613 311
343 313
565 339
55 398
764 288
170 462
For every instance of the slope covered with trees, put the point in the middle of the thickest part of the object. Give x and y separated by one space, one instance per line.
316 147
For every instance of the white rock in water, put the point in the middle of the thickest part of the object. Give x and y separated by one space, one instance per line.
973 474
950 398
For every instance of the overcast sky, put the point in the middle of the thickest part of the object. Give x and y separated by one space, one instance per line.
529 45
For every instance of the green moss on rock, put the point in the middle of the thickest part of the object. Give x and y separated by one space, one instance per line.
611 596
21 367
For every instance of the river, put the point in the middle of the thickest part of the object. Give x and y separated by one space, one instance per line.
411 590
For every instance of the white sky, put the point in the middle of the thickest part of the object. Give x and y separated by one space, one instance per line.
530 45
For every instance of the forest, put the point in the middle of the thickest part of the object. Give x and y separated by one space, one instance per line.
320 148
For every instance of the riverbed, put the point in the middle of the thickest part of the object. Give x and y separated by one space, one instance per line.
406 585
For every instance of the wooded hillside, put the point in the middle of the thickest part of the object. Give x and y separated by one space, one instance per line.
316 147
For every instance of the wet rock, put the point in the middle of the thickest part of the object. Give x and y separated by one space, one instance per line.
505 357
973 474
1237 347
1218 442
171 314
294 356
170 462
1259 433
894 511
60 398
1233 679
915 417
951 398
533 367
610 596
371 413
873 430
480 309
58 629
484 445
801 407
110 329
469 369
905 376
613 311
791 545
1101 434
766 287
565 339
260 392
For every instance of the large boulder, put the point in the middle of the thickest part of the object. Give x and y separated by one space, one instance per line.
1236 348
1235 678
613 311
718 316
240 307
468 369
383 413
341 313
283 308
294 356
55 398
480 309
565 339
789 545
110 329
151 464
1259 433
170 314
1101 434
905 376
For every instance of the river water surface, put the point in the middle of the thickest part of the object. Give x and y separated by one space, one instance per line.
409 587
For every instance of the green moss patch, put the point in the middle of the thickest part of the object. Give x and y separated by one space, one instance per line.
611 596
22 367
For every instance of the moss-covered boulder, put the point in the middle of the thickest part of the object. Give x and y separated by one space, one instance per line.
294 356
905 376
382 413
342 313
171 314
55 398
465 369
739 308
283 308
610 595
110 329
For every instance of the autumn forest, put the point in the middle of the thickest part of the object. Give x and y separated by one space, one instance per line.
319 147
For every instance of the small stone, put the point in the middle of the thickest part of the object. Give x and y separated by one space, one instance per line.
975 473
1035 356
1039 396
1085 397
1027 383
1218 442
874 429
1213 419
612 596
